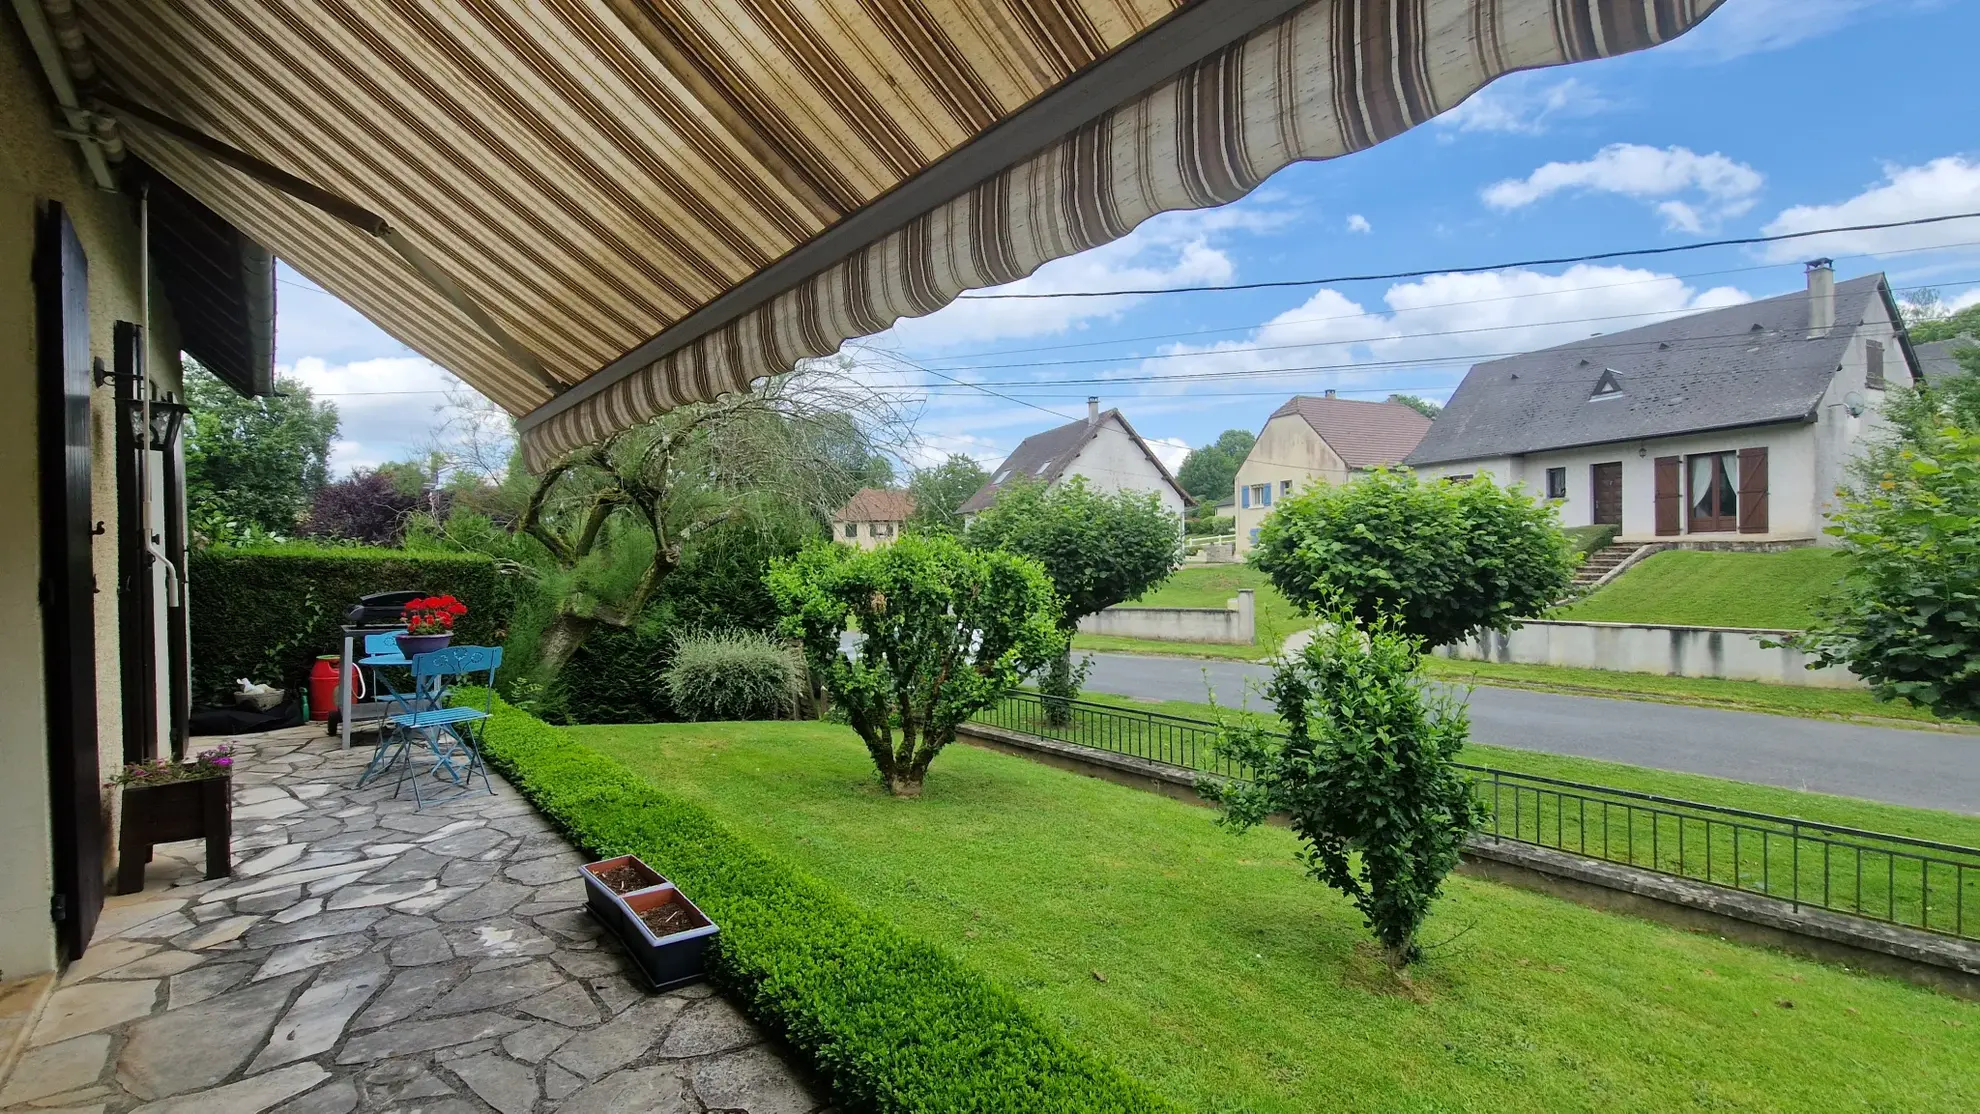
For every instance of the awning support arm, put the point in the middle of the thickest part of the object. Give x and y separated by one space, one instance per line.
350 212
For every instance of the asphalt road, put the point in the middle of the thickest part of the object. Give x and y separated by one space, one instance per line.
1927 769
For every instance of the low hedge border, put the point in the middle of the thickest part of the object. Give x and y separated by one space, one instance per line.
894 1023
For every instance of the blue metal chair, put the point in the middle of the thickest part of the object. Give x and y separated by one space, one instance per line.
382 658
450 733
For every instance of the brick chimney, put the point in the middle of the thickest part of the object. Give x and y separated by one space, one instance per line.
1092 409
1821 297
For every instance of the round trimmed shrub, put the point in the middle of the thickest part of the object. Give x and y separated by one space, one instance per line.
733 675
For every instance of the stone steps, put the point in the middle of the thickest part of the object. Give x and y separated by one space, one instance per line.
1601 562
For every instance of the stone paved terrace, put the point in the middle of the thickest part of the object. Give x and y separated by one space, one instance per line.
367 957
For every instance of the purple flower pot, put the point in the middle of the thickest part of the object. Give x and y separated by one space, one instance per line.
410 644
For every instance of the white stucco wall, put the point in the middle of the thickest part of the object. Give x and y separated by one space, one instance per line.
1113 462
1724 652
1286 449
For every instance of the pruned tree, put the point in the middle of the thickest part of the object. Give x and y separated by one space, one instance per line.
1448 560
253 464
1365 772
945 631
618 516
940 490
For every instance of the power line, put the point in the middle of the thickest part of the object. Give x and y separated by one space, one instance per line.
1741 241
1451 304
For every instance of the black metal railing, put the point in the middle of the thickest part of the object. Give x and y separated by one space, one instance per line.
1169 740
1893 879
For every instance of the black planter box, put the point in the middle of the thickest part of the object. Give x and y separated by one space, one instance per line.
667 961
168 813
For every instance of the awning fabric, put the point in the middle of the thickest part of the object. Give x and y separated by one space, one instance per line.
588 173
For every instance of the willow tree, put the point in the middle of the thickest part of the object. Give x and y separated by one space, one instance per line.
619 516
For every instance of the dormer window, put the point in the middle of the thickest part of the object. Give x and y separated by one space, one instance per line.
1608 386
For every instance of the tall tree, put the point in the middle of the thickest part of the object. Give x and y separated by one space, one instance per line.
367 506
1422 406
1208 473
618 517
1100 549
253 464
940 491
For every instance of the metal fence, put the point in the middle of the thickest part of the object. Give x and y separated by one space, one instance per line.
1805 864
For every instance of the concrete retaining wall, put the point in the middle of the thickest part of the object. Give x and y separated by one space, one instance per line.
1235 623
1730 653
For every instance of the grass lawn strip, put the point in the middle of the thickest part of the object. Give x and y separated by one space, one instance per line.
1708 588
895 1024
1209 966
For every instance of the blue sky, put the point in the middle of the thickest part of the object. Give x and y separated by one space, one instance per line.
1775 115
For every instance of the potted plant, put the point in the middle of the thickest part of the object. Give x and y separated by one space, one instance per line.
166 801
664 932
429 624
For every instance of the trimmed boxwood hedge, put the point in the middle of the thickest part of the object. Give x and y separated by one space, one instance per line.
895 1024
266 613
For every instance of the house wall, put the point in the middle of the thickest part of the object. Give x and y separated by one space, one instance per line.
1793 509
865 538
1723 652
39 167
1111 461
1286 449
1236 623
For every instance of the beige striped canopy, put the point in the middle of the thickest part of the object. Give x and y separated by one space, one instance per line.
588 179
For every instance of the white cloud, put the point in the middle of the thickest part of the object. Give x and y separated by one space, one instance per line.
1946 185
1358 223
1970 298
1724 187
1441 322
388 408
1742 27
1169 450
1523 104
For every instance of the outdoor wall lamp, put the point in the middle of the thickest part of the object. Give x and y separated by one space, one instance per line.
166 418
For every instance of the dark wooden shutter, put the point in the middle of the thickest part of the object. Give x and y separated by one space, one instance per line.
68 588
1669 494
1873 366
1753 491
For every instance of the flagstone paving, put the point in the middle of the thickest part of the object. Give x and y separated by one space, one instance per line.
365 956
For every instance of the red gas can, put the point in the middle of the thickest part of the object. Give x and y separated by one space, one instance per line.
323 687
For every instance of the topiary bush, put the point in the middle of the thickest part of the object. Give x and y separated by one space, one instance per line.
895 1025
733 675
266 613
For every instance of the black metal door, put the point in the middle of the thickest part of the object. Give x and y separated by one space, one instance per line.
68 610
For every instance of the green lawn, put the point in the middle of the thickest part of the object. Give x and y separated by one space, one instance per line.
1684 587
1209 586
1208 965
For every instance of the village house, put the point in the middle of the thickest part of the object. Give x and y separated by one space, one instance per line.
1103 448
1736 424
1325 439
872 518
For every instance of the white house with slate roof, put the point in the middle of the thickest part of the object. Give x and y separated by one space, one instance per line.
1104 448
1734 424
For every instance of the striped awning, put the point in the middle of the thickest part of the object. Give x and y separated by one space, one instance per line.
597 210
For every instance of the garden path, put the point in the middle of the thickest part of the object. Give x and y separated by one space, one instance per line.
368 957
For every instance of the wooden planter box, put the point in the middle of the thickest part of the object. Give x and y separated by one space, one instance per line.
678 958
179 810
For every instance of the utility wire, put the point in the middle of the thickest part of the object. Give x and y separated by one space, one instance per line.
1594 257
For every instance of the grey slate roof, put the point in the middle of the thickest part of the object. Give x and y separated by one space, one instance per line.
1935 358
1045 456
1744 365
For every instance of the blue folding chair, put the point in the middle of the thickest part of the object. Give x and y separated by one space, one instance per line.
382 658
449 733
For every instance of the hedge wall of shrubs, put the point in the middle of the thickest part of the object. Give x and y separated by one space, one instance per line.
894 1024
266 613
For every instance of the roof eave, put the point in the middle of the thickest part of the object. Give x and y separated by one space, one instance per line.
1806 418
